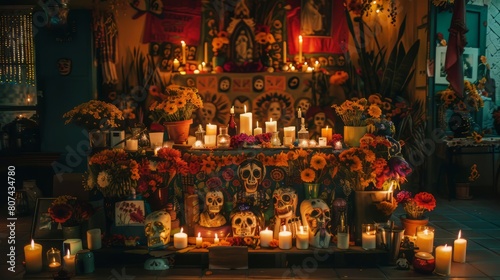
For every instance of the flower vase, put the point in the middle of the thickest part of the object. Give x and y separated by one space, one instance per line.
158 199
311 190
72 232
352 135
410 225
178 131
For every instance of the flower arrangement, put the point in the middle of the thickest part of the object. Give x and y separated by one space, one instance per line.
314 167
357 112
94 114
470 101
178 104
113 173
242 139
416 206
70 211
375 165
220 43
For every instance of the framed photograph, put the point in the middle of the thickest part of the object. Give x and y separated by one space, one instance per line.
129 213
43 227
470 60
316 18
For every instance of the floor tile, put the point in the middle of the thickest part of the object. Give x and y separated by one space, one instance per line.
465 270
320 273
270 273
488 268
483 255
366 273
224 274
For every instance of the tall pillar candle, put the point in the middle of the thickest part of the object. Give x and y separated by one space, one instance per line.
180 240
289 131
302 239
33 257
300 48
271 126
183 46
266 236
459 249
284 52
246 122
94 239
285 239
211 129
443 260
327 132
425 239
199 240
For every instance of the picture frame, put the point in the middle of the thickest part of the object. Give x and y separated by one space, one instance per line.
43 227
129 213
470 60
316 18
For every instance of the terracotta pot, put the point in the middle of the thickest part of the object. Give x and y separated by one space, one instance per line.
352 134
178 131
462 191
410 225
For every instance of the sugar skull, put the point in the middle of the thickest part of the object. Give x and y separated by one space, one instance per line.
258 83
285 203
244 223
316 215
251 172
208 112
157 229
211 216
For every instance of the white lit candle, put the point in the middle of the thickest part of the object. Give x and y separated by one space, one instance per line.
132 145
289 131
300 48
425 240
322 141
287 140
443 260
54 264
338 145
285 239
216 239
69 262
180 240
211 129
304 67
257 130
302 239
199 240
316 65
271 126
74 245
284 52
327 132
299 114
343 240
368 238
176 64
266 236
203 67
246 122
33 257
94 236
459 249
196 71
183 46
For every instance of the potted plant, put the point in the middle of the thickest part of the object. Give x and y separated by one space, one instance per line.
415 208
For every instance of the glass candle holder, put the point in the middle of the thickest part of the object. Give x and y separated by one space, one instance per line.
275 139
343 237
368 236
200 137
223 139
54 259
425 239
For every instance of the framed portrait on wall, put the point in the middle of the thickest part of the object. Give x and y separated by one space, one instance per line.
470 61
316 18
43 227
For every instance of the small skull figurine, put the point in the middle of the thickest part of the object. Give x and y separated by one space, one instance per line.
316 215
252 173
285 204
211 216
244 223
157 229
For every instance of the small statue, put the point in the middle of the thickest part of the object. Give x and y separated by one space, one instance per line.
212 216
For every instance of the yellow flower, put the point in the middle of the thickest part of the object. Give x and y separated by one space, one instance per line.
307 175
374 111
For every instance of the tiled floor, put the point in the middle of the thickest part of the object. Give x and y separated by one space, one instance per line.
479 220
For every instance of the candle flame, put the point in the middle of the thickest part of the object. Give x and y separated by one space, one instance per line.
183 43
32 244
368 229
327 125
445 245
301 229
245 108
300 38
316 62
182 229
266 228
216 236
199 234
426 231
68 255
257 124
284 228
270 119
459 234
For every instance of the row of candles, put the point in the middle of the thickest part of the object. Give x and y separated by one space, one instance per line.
34 261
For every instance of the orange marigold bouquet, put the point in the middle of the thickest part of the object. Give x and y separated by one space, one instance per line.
469 101
94 114
314 166
357 112
178 104
416 206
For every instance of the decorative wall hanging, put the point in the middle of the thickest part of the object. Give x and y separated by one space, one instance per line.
64 66
316 18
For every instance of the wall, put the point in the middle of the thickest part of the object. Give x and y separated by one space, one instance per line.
493 44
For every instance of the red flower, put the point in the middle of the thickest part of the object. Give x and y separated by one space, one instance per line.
425 200
60 212
228 174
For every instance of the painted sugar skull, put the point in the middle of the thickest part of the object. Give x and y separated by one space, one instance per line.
244 223
214 201
285 203
157 229
316 215
251 172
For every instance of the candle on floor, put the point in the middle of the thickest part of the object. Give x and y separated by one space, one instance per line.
246 122
285 239
69 262
302 239
199 240
443 260
284 52
459 249
368 237
33 257
266 236
180 240
425 239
